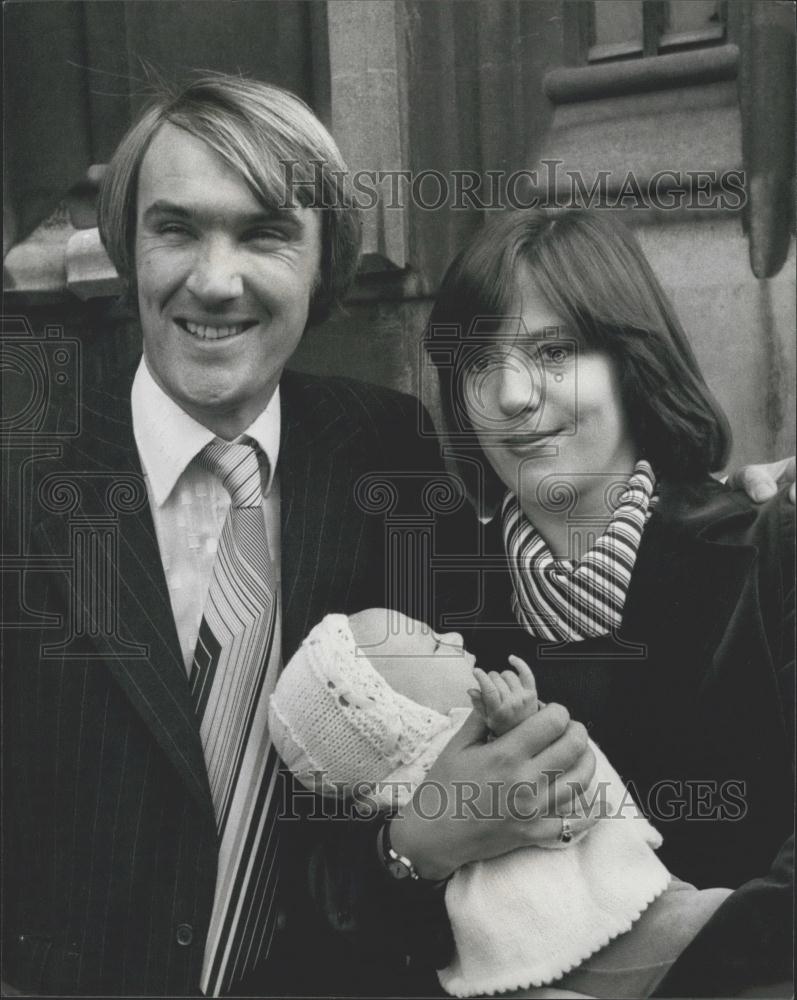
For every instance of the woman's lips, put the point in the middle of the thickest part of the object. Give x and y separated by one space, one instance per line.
530 441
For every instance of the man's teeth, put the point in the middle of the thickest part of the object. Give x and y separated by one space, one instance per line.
214 332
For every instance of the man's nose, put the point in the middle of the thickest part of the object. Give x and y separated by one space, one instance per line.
215 275
519 385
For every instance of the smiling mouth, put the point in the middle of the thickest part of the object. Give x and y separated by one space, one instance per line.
529 440
204 331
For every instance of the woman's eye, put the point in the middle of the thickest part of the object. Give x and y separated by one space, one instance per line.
556 354
480 364
484 361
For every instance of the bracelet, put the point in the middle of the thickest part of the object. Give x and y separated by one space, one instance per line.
395 864
398 866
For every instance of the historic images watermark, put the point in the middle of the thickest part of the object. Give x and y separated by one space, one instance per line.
666 801
551 185
43 390
42 383
466 361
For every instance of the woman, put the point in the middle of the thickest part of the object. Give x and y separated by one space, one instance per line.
650 600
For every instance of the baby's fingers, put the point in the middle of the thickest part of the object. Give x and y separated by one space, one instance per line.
524 673
512 681
500 684
491 696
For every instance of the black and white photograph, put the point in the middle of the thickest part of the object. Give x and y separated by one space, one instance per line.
398 502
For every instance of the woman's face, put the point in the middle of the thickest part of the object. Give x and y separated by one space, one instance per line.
544 404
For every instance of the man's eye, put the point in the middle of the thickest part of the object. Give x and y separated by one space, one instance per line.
266 234
172 229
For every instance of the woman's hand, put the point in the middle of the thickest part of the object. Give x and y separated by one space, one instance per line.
760 482
482 799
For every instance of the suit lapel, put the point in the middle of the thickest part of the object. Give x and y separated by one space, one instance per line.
315 469
142 651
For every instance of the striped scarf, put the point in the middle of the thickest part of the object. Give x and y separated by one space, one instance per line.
558 600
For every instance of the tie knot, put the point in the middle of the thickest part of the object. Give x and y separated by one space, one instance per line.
238 468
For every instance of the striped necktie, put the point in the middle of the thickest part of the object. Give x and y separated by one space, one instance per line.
235 668
562 601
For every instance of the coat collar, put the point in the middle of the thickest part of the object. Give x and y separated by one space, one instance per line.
702 509
138 639
689 573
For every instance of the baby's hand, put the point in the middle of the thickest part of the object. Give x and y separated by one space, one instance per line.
504 700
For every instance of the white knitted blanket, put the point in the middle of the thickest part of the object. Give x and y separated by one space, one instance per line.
528 917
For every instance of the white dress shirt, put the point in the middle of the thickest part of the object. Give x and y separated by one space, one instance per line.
189 504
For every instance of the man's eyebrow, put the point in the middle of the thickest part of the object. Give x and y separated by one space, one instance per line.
160 207
286 217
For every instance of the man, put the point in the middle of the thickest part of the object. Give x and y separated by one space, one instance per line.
142 849
141 853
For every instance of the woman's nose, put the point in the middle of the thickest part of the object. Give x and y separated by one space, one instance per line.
215 276
519 385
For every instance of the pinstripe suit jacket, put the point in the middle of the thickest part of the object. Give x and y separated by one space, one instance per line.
109 840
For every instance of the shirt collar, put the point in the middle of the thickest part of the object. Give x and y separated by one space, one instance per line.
168 439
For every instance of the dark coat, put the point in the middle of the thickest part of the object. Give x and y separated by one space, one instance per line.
692 702
109 839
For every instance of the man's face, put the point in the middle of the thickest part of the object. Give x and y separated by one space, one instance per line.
224 286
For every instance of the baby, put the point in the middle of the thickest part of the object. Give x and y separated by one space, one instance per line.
364 708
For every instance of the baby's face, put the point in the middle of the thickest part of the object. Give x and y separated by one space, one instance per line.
432 669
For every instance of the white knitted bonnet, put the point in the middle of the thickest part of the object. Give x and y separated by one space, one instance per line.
331 712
